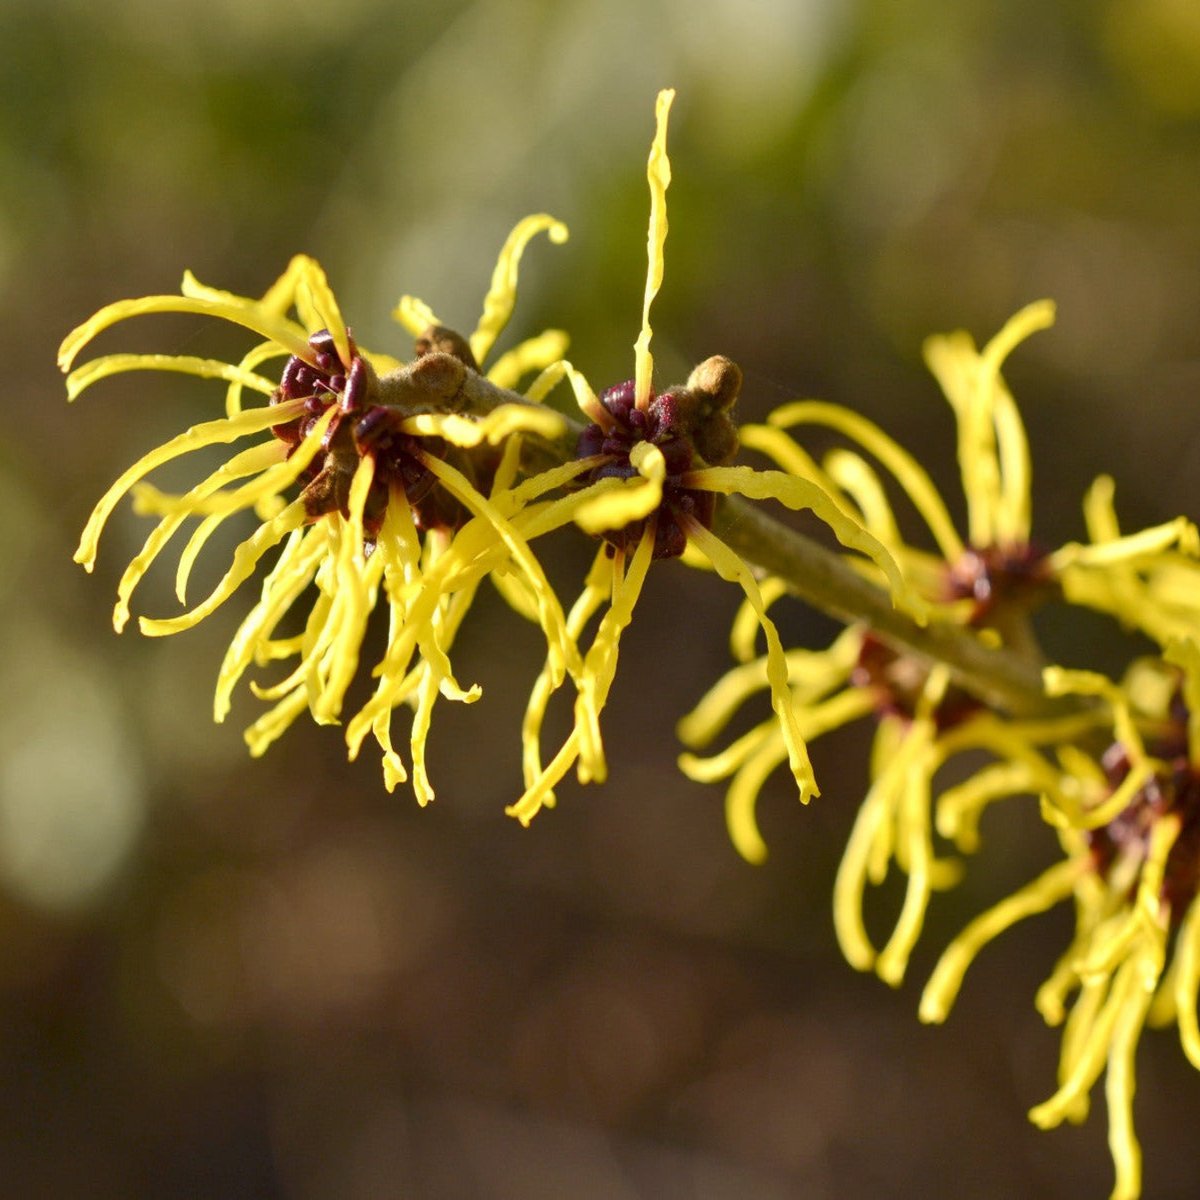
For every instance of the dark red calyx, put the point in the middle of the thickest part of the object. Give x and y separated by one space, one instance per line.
324 381
1000 576
1173 788
659 425
377 433
897 681
399 463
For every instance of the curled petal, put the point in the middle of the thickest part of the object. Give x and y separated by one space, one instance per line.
206 368
415 315
209 433
658 172
502 294
633 501
1050 888
533 354
909 473
494 427
796 493
288 334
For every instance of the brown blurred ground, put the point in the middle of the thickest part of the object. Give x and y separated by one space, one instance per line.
234 979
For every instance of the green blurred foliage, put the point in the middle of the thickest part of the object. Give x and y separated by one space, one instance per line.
232 978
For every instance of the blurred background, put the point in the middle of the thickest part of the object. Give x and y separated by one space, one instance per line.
229 978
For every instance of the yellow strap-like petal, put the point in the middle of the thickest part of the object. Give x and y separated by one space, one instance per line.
849 887
710 768
731 568
1101 814
960 807
206 368
635 500
533 354
1060 681
273 724
561 648
1036 316
1187 983
1051 997
814 673
493 427
1119 1087
209 433
1094 1050
1014 519
971 381
743 631
585 398
269 484
427 694
1135 549
658 173
288 334
741 800
914 854
1047 890
292 573
415 315
354 597
600 664
245 559
502 293
541 794
319 307
909 473
796 493
277 299
854 475
254 357
249 462
787 454
539 790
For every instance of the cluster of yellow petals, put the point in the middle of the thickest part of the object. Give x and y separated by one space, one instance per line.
616 579
328 568
895 822
1121 960
1132 962
332 572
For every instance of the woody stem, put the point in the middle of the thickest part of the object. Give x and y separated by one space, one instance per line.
823 578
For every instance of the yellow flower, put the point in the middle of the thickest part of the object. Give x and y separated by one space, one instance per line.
655 463
1124 847
924 722
1156 590
990 580
1132 866
998 563
376 485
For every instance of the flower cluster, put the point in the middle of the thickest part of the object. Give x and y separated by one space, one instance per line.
375 484
1125 816
1131 863
402 484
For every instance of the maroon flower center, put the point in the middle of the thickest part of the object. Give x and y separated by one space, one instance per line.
320 384
1174 789
897 681
999 576
660 425
359 427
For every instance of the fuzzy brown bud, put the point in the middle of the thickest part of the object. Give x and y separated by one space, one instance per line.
437 339
432 383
